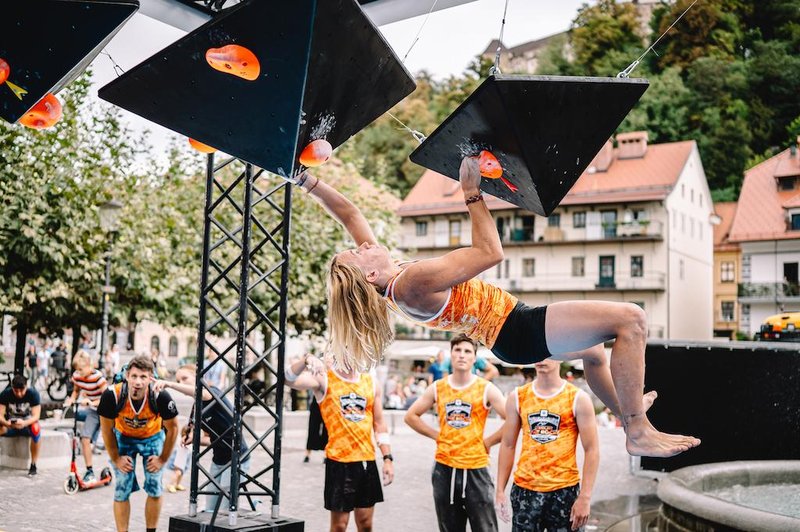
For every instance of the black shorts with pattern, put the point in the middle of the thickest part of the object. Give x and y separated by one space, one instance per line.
535 511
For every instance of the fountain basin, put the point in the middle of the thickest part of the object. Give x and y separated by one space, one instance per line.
746 495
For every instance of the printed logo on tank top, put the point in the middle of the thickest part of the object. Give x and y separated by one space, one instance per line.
136 422
458 413
354 407
544 426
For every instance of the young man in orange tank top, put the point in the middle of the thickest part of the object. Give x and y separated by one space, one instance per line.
548 491
462 485
445 293
351 407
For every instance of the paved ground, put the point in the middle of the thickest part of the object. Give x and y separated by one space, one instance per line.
39 504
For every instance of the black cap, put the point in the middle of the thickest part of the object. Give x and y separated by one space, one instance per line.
544 131
325 72
48 43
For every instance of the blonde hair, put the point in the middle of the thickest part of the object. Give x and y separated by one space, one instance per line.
79 357
358 317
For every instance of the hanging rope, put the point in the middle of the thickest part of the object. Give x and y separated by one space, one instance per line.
628 71
118 70
496 67
419 137
416 38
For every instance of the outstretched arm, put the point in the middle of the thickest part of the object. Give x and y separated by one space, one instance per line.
339 207
460 265
308 373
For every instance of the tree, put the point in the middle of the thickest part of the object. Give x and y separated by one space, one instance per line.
51 184
712 28
605 37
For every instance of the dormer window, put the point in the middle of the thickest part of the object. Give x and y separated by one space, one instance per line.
786 183
795 222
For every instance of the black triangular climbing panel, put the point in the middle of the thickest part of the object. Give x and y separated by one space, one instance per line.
48 43
325 72
544 130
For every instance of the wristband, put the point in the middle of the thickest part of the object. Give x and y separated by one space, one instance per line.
474 199
290 375
383 438
388 456
316 182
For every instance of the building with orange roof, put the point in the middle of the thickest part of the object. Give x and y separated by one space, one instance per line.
635 227
726 273
767 228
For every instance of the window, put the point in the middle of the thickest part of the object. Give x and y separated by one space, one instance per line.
787 184
681 270
607 271
691 195
155 343
637 266
554 220
501 269
422 228
727 273
455 232
579 219
683 223
528 267
609 220
578 267
726 312
796 222
173 346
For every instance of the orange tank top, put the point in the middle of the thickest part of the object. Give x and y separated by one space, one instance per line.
462 417
549 437
347 412
139 424
475 308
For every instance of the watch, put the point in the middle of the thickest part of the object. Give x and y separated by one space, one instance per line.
388 456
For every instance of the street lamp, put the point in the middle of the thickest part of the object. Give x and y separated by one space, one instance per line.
109 216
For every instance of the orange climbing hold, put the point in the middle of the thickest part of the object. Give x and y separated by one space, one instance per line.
199 146
236 60
46 113
5 70
491 169
316 153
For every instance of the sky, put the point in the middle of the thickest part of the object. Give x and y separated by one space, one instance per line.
450 39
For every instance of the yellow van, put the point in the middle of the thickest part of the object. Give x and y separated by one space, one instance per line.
784 326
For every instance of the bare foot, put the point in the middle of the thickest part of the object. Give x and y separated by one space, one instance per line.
648 399
644 440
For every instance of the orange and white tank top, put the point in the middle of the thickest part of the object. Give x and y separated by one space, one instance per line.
139 424
475 308
347 412
549 437
462 417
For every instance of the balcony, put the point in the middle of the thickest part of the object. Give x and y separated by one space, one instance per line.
651 281
769 293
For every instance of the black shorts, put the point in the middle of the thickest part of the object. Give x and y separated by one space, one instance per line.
351 485
521 339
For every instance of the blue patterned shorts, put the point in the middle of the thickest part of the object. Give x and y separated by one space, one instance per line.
127 483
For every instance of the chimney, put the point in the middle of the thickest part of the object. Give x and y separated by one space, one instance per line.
632 145
603 159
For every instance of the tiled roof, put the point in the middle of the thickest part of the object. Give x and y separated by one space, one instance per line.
726 211
761 212
630 180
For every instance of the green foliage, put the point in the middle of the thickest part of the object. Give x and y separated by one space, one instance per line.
54 251
603 35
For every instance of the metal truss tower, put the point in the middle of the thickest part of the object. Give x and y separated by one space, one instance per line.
243 292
